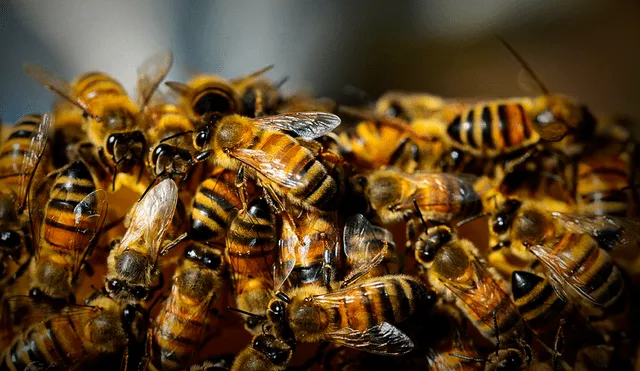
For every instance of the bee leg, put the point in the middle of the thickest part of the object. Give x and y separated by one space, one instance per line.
274 201
327 269
558 344
241 186
494 314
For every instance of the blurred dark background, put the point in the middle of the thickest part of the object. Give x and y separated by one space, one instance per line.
588 49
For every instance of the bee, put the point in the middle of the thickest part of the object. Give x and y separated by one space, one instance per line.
569 249
112 120
507 359
76 337
212 94
213 203
186 317
132 265
251 240
409 106
265 353
453 268
600 185
169 155
260 96
308 250
264 147
440 197
66 218
539 305
357 315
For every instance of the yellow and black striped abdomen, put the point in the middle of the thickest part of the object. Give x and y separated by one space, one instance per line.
94 84
492 129
316 188
588 268
537 302
61 231
391 299
15 149
600 186
213 202
55 341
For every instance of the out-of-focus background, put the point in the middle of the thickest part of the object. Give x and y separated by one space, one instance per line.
585 48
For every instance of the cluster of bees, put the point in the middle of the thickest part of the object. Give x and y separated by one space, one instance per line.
135 231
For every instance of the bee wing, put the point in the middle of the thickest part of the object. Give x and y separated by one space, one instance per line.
286 255
271 167
556 264
55 84
384 339
37 201
151 216
150 75
33 156
609 231
364 245
458 187
252 75
89 215
308 125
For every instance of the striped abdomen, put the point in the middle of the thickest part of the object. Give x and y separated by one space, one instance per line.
186 317
492 129
317 188
451 199
600 186
372 144
93 84
251 239
213 202
56 343
319 234
391 299
15 149
538 304
584 266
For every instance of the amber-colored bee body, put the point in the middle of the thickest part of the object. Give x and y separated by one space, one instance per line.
409 106
75 337
186 317
251 240
453 268
277 159
538 304
207 94
265 353
66 220
600 186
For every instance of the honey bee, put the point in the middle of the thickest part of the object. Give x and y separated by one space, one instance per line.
453 268
539 305
358 315
508 359
409 106
440 197
186 317
112 120
214 201
132 266
260 96
76 337
212 94
569 248
600 185
308 250
264 147
65 221
265 353
251 240
169 155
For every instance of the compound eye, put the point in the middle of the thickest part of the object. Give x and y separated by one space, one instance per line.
276 307
111 142
212 261
114 285
252 322
159 151
426 255
500 224
10 240
202 138
139 292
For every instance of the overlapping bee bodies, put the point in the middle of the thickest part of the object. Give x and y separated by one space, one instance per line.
297 224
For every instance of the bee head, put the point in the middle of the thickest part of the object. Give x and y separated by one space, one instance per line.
436 238
276 351
557 117
504 218
126 149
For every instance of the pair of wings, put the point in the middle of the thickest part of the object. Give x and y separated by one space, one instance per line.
609 232
150 74
383 338
150 218
31 159
302 125
88 217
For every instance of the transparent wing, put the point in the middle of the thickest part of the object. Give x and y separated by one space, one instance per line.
89 216
150 75
37 201
33 156
269 166
250 76
384 339
308 125
609 231
364 246
151 216
55 84
286 259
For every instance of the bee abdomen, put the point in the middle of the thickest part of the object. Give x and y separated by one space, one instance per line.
537 302
213 202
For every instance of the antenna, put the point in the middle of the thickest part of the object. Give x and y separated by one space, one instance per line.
525 65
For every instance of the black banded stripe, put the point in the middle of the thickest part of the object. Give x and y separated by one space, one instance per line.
469 129
368 308
486 127
454 129
503 125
